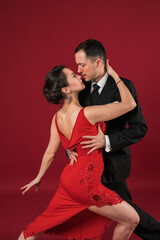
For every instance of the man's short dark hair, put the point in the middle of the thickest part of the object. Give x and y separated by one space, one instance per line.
93 49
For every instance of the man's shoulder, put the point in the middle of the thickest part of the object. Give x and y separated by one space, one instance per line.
127 82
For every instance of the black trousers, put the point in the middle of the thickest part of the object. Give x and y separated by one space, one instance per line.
149 227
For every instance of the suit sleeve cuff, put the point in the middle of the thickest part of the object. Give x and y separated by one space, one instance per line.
108 144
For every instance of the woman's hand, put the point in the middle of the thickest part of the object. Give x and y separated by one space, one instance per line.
73 156
110 70
36 182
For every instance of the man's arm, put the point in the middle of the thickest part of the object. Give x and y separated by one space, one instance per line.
137 127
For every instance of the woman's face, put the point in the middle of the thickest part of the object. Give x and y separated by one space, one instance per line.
75 82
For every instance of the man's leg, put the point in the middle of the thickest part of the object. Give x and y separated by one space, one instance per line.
149 227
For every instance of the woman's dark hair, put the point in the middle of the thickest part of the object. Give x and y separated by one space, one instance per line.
93 49
54 82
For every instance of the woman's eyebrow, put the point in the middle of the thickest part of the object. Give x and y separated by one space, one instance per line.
72 73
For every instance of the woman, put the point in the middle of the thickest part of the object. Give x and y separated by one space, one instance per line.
81 206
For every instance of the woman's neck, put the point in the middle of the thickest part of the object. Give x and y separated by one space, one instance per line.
71 102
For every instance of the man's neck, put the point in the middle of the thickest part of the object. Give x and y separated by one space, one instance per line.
100 77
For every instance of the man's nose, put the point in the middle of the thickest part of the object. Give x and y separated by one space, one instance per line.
79 69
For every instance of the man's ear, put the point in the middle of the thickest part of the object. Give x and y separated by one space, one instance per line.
98 63
65 90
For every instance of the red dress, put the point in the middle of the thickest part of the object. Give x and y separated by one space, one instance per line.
80 187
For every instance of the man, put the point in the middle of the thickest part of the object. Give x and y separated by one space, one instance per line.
101 89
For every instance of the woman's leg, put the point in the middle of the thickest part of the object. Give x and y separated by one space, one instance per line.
125 216
21 237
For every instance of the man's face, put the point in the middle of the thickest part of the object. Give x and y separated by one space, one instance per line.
86 67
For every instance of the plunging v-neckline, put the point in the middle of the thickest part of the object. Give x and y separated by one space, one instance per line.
69 140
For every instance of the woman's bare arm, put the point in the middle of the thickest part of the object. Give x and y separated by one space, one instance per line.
48 157
100 113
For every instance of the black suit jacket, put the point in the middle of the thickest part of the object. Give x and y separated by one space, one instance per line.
122 131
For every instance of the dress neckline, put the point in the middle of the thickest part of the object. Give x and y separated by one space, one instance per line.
69 140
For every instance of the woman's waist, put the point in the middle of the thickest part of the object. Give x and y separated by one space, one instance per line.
85 159
84 151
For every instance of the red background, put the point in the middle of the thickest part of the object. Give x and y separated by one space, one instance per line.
37 35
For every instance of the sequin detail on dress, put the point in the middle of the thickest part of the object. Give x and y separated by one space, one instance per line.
98 194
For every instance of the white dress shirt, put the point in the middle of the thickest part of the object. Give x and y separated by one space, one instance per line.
101 84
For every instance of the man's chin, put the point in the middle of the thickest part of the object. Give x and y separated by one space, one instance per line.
86 79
